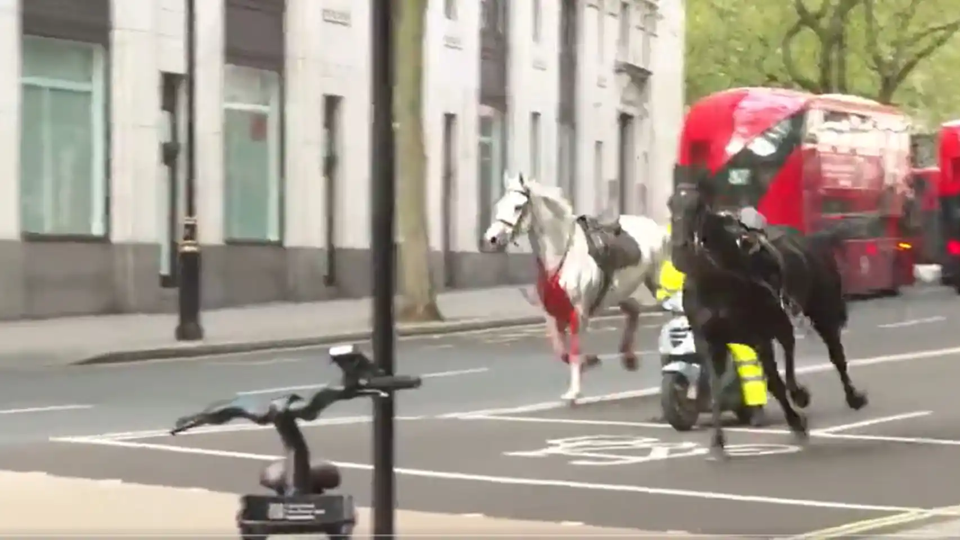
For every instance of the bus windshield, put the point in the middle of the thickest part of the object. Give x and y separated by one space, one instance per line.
745 178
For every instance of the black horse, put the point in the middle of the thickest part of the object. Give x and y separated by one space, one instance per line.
731 296
803 272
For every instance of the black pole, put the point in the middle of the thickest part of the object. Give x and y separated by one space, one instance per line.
382 209
188 326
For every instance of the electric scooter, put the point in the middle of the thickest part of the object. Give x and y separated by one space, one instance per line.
301 503
685 384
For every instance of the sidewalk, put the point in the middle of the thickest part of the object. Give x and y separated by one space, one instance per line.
40 505
119 338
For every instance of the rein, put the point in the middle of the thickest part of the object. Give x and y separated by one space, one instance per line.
535 223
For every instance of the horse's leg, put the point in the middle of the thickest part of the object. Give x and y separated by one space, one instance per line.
717 356
830 334
795 419
784 335
574 362
630 308
557 334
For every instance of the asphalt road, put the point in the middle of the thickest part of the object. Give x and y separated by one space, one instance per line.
504 368
614 466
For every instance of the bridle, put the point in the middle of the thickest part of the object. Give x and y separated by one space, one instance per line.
535 224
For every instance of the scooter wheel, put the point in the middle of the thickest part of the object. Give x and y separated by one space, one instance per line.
251 533
678 410
342 532
750 416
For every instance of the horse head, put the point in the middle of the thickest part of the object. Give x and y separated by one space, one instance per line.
525 205
689 204
700 234
511 213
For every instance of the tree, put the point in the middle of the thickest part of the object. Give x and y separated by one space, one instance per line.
890 39
896 51
728 45
916 34
417 298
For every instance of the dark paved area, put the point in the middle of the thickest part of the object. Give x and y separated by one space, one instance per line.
635 474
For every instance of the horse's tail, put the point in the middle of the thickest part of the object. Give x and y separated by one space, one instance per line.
833 239
830 245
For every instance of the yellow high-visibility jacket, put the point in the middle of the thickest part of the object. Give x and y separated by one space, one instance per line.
671 279
752 380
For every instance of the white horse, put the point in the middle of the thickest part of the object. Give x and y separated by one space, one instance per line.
569 281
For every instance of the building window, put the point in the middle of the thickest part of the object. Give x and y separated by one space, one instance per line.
251 154
649 17
535 150
491 165
63 181
567 161
494 13
623 39
450 9
537 21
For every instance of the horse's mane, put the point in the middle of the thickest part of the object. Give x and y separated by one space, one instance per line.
552 194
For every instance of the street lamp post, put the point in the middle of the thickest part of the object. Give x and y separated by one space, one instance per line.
188 325
382 210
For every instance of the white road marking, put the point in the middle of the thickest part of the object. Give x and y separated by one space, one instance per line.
252 363
653 391
158 433
453 373
873 422
756 431
434 375
49 408
438 346
514 481
912 322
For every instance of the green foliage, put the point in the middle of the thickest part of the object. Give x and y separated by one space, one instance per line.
900 51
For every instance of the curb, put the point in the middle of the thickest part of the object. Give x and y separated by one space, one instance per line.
184 351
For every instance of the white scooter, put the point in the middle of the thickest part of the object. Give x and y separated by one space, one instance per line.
685 385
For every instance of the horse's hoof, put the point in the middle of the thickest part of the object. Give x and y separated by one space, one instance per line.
801 433
800 396
857 400
717 454
630 361
589 362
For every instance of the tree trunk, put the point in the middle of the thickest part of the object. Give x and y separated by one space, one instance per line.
417 300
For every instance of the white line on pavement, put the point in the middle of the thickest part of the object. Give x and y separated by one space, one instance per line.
50 408
756 431
434 375
872 422
157 433
912 322
509 480
652 391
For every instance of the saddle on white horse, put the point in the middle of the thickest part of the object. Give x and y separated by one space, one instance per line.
611 248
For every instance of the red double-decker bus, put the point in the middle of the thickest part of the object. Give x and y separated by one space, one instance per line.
949 195
936 179
808 162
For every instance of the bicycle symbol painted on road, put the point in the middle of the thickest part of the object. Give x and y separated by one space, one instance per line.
605 450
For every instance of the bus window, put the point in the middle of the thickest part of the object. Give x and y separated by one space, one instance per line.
837 209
